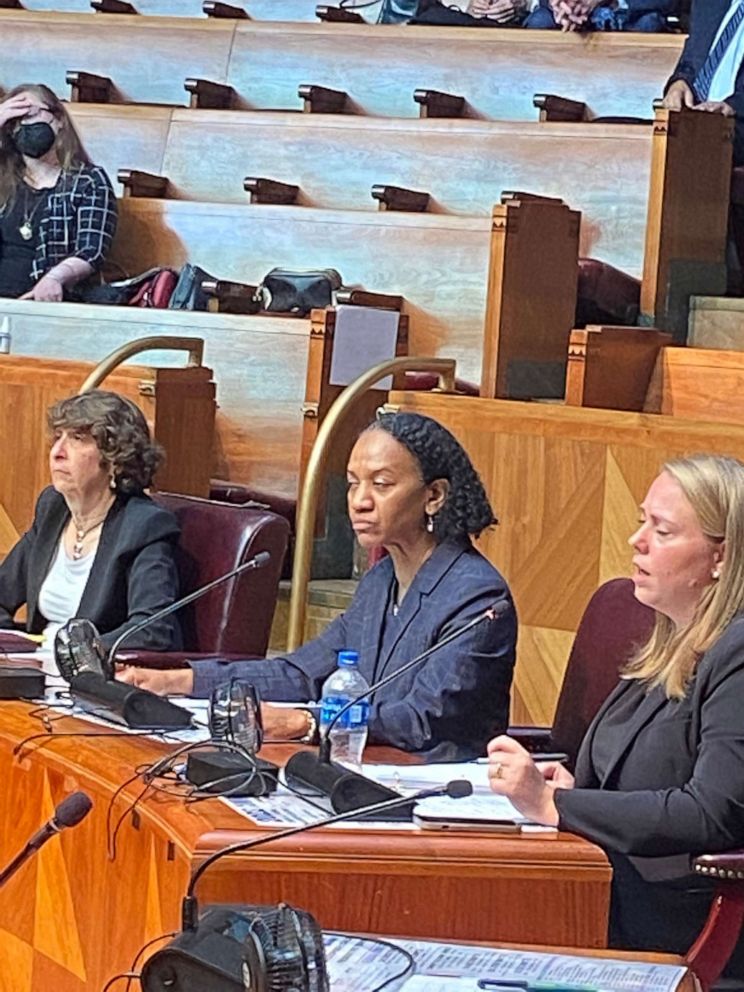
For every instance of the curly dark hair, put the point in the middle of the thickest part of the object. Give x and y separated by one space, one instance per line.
120 431
441 456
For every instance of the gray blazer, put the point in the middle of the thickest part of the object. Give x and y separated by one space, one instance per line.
450 705
133 574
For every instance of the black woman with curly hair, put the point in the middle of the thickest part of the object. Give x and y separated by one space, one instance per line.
414 492
98 548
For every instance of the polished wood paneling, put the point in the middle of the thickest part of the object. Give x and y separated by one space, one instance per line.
699 383
565 483
74 917
497 71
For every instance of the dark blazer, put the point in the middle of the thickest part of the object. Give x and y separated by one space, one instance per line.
673 788
450 705
133 574
705 19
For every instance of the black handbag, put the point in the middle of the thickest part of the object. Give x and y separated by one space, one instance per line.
188 294
283 291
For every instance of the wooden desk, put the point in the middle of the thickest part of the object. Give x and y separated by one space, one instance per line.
72 919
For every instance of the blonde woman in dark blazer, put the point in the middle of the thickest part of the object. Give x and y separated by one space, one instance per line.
660 774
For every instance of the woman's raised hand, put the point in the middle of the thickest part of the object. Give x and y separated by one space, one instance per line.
530 787
15 106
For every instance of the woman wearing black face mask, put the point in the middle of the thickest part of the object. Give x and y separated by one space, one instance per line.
57 210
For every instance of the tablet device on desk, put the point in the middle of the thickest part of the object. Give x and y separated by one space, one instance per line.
439 821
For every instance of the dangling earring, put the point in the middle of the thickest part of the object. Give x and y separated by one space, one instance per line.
429 523
715 574
112 483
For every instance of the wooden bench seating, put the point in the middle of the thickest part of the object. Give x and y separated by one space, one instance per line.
270 10
496 71
440 264
704 384
602 170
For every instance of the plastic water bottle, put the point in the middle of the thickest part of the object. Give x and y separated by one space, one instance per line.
349 733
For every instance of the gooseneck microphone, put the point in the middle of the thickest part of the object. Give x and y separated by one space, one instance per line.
258 561
69 813
347 789
456 789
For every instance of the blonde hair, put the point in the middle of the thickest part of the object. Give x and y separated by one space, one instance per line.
714 487
69 148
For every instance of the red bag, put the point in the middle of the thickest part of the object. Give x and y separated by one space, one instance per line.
155 291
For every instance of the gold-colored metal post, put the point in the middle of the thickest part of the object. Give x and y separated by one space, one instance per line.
194 346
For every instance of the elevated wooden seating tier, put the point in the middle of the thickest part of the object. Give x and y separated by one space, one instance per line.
565 484
611 367
178 402
74 918
496 71
701 383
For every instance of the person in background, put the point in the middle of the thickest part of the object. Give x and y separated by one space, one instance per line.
98 547
600 15
708 74
660 773
57 210
414 492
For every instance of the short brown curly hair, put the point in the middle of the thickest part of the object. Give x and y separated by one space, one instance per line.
120 431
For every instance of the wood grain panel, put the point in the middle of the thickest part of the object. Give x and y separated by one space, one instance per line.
565 483
546 888
701 383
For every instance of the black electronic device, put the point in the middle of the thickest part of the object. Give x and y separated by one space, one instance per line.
349 790
21 682
217 770
261 949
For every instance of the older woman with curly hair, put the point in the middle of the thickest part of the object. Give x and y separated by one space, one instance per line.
98 547
414 492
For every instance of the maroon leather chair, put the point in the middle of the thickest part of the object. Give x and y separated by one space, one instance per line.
235 617
613 624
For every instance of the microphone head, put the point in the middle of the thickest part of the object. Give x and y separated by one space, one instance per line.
73 809
458 788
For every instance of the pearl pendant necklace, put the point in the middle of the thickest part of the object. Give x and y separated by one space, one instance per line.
80 535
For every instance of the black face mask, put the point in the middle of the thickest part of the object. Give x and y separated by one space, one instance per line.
34 140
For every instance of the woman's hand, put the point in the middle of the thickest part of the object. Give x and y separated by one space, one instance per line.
15 106
282 723
679 95
513 773
164 682
47 290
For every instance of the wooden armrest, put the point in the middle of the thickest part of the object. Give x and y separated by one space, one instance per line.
339 14
206 95
321 100
727 866
559 108
435 104
515 195
214 9
398 198
88 87
230 297
363 298
172 659
140 184
263 190
113 7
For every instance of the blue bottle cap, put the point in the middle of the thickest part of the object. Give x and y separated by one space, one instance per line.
350 659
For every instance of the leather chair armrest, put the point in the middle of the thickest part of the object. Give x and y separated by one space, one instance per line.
172 659
729 865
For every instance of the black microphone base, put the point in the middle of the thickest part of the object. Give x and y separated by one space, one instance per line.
220 771
21 683
347 790
137 709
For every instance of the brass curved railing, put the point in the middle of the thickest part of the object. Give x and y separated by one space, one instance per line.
162 342
310 495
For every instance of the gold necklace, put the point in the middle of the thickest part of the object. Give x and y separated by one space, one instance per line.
80 534
26 230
